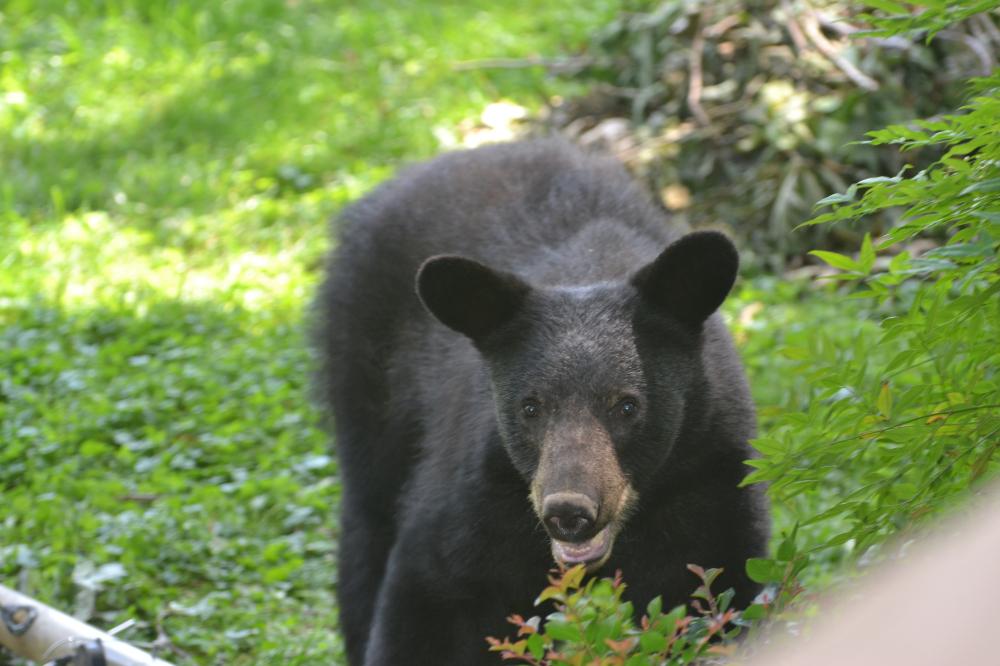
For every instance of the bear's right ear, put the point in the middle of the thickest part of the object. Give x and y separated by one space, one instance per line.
467 296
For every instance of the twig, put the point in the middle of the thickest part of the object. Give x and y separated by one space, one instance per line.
988 27
163 640
695 81
981 50
845 29
721 27
793 28
143 498
563 65
810 25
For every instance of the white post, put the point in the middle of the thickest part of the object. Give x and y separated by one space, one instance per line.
52 634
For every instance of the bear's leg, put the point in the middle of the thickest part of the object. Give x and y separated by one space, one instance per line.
418 624
368 502
365 539
374 454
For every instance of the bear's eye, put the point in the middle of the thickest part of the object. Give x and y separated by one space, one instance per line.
531 408
627 407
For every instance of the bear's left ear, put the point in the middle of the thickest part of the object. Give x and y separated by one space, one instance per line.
692 277
468 296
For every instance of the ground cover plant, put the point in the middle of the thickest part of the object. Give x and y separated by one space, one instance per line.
166 172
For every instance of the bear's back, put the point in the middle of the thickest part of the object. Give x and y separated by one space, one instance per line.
509 206
543 209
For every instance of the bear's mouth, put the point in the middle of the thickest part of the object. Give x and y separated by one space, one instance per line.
594 552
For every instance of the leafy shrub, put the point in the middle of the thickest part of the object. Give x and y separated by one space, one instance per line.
593 625
909 417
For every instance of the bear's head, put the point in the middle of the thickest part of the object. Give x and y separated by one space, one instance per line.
591 383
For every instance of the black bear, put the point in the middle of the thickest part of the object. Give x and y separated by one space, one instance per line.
523 366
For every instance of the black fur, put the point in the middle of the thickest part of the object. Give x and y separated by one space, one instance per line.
570 290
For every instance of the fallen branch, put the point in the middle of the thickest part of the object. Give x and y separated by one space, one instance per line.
695 78
794 31
982 51
810 26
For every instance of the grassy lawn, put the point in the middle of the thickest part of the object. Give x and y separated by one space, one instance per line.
167 169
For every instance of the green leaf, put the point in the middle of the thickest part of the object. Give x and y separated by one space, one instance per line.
838 261
988 215
888 6
886 179
572 579
763 570
846 197
866 259
754 612
563 631
841 538
992 185
786 551
900 262
654 608
550 592
710 575
652 641
536 645
884 401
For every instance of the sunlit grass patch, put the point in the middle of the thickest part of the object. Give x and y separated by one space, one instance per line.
92 259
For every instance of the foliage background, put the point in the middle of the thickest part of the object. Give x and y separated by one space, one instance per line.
166 172
744 114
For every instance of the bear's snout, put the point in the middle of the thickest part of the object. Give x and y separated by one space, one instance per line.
579 491
569 516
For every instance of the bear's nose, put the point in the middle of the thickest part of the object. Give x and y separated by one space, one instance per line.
569 516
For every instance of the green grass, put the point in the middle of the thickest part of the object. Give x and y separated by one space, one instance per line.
166 172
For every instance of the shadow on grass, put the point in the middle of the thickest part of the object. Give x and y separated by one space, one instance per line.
170 457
